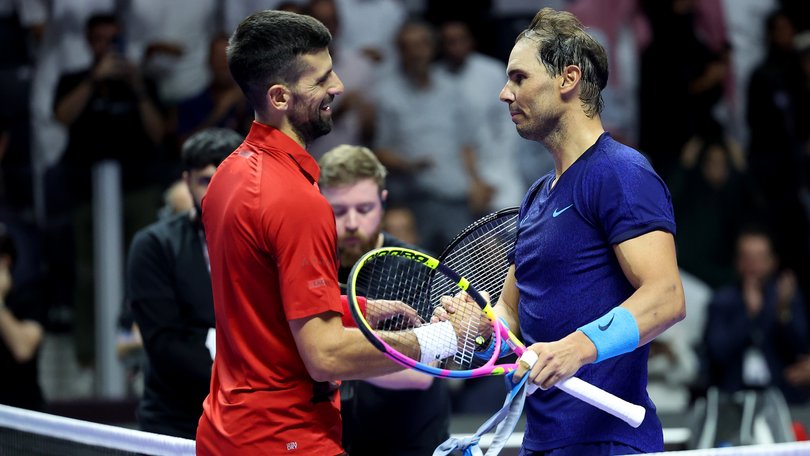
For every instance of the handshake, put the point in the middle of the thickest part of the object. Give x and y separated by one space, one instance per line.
455 326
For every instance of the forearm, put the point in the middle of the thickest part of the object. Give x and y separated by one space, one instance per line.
403 380
392 160
470 161
153 121
69 107
656 307
21 337
331 352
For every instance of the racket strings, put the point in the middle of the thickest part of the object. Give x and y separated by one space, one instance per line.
390 279
482 254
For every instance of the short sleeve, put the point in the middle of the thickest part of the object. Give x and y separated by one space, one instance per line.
305 242
626 197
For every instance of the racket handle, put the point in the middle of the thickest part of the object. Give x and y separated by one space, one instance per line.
630 413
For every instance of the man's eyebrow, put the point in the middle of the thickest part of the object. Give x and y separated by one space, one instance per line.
513 72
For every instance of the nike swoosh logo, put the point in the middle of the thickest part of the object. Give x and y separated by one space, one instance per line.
605 327
560 211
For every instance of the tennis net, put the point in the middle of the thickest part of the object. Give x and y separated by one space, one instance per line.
24 432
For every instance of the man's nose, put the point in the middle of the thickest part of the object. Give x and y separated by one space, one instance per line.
352 219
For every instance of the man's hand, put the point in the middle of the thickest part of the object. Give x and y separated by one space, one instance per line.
556 361
798 373
380 310
5 277
466 317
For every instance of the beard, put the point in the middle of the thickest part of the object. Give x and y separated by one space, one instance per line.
311 125
349 254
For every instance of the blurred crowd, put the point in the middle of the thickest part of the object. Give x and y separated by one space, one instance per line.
715 92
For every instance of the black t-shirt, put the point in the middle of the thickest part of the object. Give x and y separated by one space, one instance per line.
169 292
380 421
110 127
19 382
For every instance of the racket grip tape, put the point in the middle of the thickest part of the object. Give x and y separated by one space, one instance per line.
348 321
631 414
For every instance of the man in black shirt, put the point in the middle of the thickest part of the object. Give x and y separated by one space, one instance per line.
402 414
169 292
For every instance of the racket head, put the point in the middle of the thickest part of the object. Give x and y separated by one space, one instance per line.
482 251
391 275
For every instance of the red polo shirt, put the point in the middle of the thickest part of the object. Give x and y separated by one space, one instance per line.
272 242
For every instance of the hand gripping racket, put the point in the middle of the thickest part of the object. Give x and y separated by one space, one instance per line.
388 276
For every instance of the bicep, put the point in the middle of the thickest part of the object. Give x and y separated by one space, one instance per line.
313 337
648 257
649 264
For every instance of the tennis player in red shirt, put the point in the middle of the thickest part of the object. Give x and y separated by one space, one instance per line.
281 342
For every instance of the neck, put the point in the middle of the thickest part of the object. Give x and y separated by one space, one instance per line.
282 124
574 135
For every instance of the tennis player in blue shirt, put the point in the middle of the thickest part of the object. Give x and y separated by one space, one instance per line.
594 277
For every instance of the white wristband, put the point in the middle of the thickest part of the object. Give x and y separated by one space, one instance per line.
436 341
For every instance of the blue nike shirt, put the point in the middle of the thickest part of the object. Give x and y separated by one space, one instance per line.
568 275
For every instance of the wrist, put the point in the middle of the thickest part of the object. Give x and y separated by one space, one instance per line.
612 334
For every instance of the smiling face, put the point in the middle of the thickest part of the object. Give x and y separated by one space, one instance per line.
358 216
311 97
531 93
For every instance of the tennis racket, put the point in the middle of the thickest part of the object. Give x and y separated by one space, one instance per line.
435 342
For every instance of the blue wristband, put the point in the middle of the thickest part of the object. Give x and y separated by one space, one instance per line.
487 354
613 334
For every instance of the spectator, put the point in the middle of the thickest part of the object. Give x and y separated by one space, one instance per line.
353 114
480 76
111 112
171 40
756 327
221 105
432 156
713 195
778 130
169 292
693 86
353 182
21 332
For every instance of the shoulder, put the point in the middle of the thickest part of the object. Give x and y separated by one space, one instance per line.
162 233
610 160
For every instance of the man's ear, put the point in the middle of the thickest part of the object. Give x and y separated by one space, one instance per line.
278 97
384 198
570 78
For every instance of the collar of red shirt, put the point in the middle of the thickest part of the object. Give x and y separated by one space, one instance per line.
262 135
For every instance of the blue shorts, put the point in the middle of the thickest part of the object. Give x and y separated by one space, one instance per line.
591 449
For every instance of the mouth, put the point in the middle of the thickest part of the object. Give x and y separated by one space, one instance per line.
326 106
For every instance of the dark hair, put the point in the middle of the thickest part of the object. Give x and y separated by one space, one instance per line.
264 50
100 19
209 147
7 246
562 40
